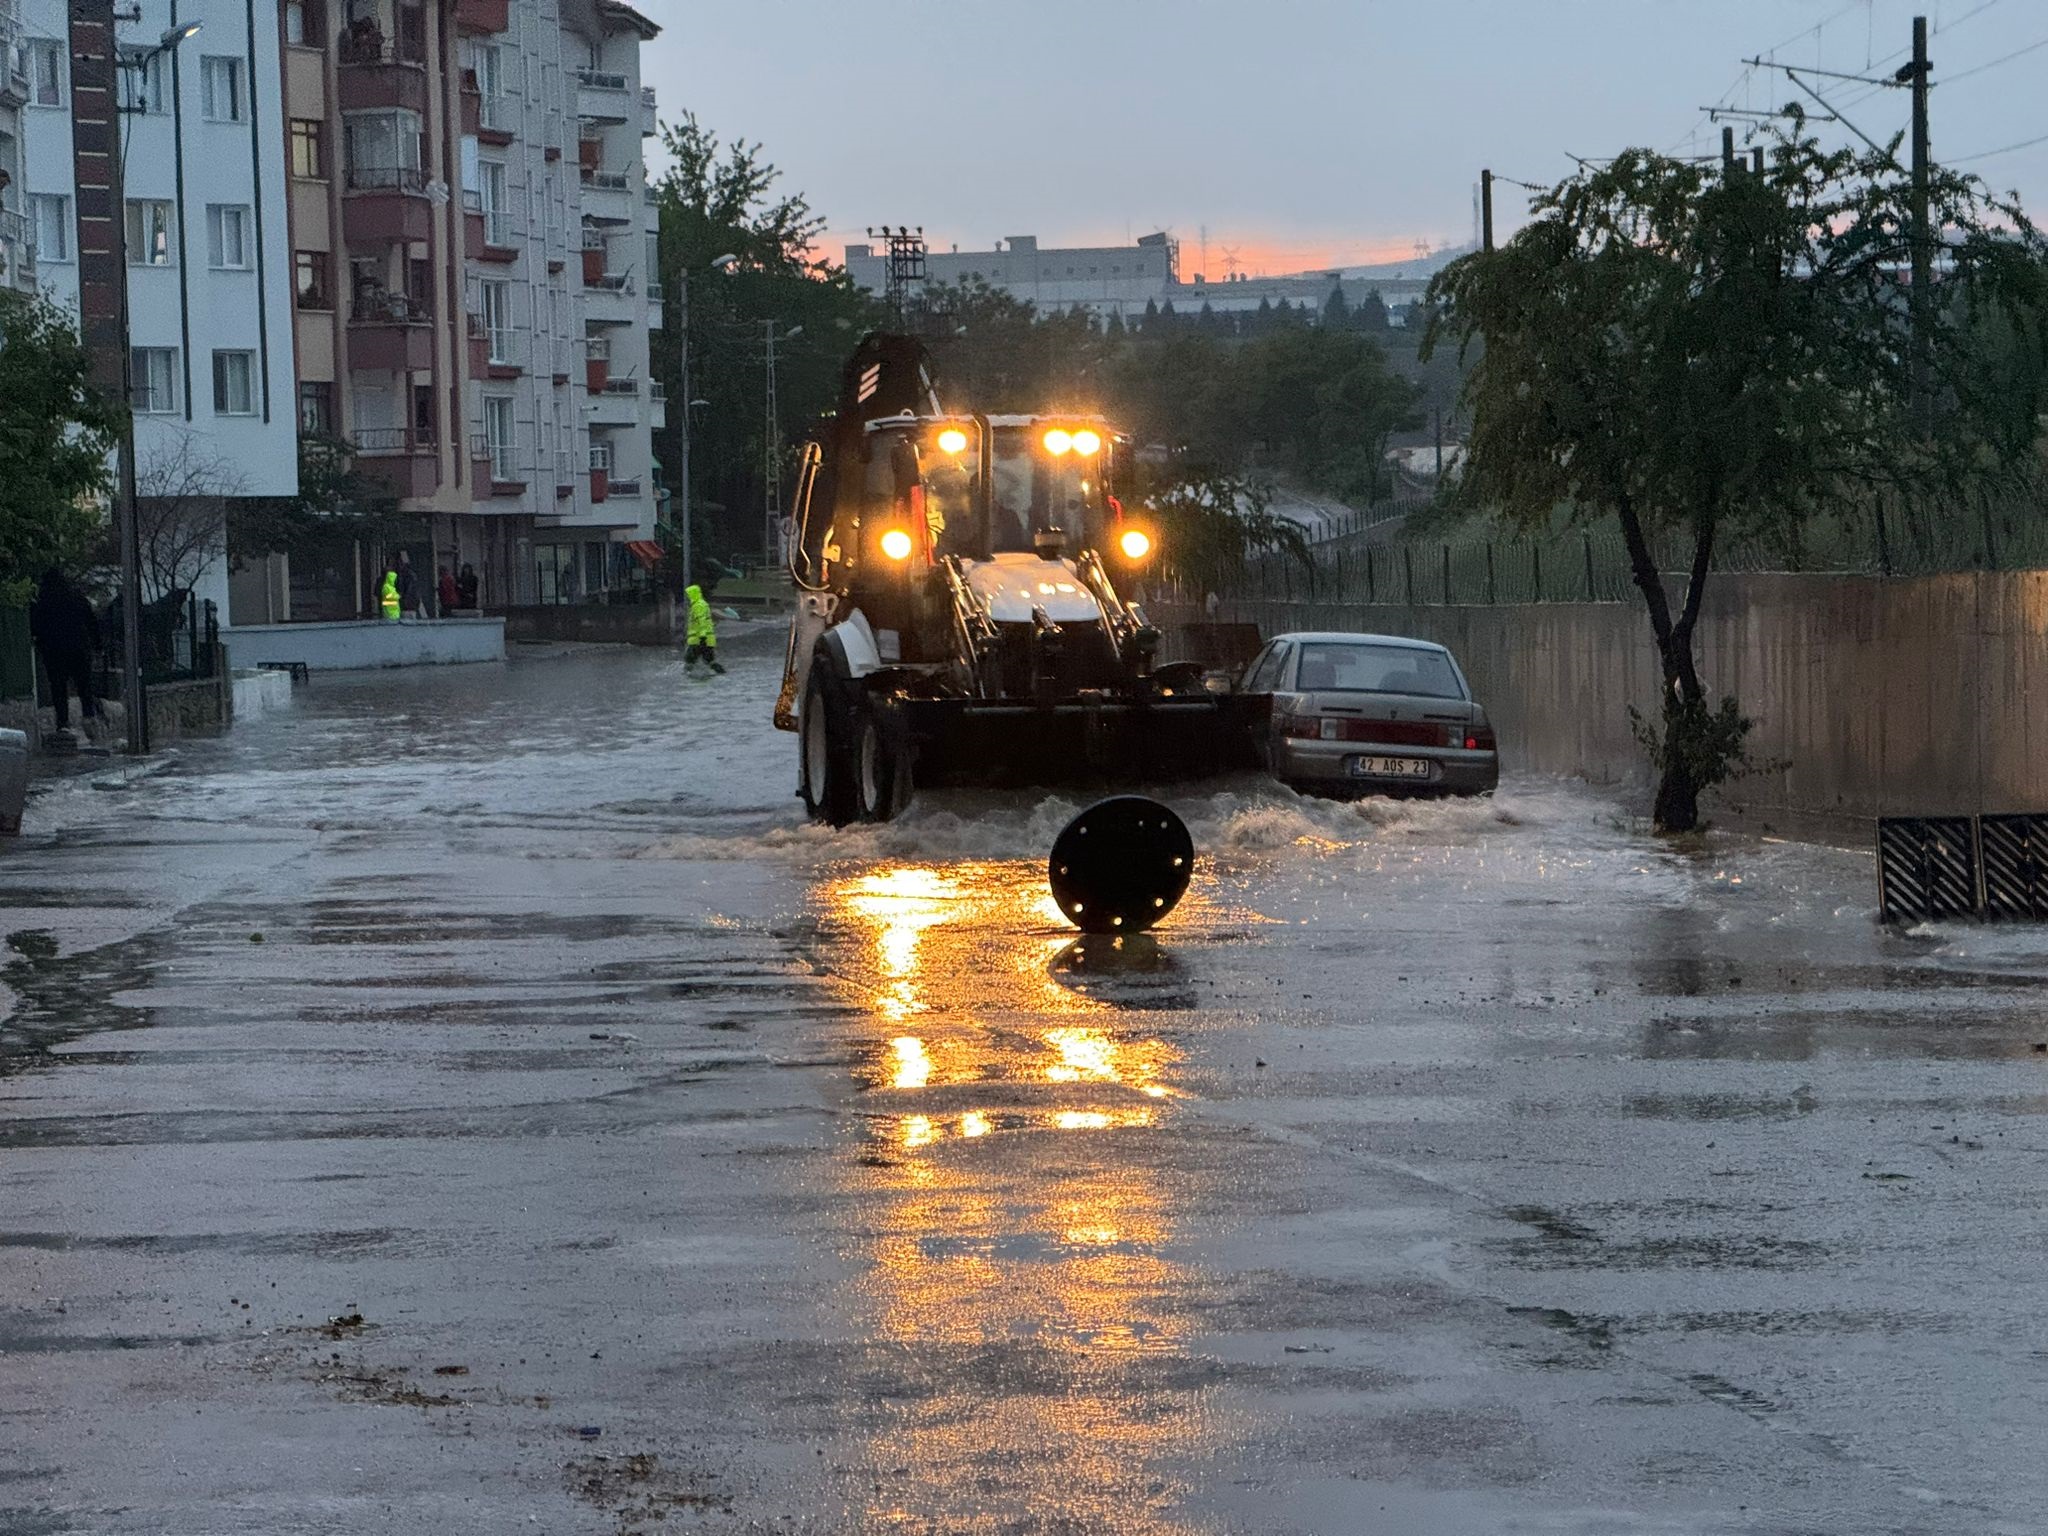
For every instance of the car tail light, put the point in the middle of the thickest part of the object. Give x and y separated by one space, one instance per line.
1477 738
1301 727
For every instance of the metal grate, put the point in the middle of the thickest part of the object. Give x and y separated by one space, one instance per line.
1926 867
2014 853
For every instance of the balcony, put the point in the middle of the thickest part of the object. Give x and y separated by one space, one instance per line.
386 204
477 18
628 489
504 353
390 333
407 459
13 65
378 73
647 100
17 250
603 97
497 119
597 364
489 235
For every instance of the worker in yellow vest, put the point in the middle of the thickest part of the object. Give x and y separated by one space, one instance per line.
387 598
700 636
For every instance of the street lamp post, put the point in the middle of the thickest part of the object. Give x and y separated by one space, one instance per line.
772 434
134 704
721 264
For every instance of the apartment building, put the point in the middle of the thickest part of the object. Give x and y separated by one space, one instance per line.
17 248
469 316
209 289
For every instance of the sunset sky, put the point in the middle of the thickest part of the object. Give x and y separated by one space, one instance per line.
1301 133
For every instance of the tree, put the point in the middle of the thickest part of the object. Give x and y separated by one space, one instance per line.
180 513
1697 355
1371 314
719 200
1337 310
57 433
1211 523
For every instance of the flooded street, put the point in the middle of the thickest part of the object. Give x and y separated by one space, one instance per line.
473 1100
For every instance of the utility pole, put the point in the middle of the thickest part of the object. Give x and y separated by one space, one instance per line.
683 304
1486 210
771 531
1923 238
1728 150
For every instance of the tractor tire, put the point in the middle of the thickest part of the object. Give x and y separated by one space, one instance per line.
825 752
881 765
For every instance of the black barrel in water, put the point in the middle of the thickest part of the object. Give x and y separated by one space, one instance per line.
1121 865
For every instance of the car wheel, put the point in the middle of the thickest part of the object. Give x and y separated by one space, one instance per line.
825 757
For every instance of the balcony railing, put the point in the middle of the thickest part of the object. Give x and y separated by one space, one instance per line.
504 460
647 100
378 308
385 442
598 348
600 80
498 229
17 247
622 387
657 391
627 488
505 351
654 294
613 282
499 114
601 456
595 240
386 178
651 195
368 45
610 181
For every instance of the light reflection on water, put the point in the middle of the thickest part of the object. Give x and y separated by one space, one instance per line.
1014 1223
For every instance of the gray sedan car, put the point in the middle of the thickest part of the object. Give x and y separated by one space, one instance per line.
1372 714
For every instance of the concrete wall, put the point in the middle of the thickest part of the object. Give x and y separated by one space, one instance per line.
1880 696
348 644
621 623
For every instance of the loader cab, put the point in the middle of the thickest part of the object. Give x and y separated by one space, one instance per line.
913 490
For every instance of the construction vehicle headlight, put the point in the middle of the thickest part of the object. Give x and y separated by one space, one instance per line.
1058 441
896 544
952 440
1087 443
1136 543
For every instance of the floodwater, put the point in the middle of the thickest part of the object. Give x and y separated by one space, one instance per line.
473 1099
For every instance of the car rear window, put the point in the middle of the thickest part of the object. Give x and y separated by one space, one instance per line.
1338 667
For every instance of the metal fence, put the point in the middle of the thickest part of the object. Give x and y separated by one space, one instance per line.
1892 538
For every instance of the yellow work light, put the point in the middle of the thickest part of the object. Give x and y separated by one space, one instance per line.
1087 443
1136 543
896 544
1058 441
952 440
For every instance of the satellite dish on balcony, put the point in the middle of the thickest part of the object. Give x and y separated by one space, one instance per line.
437 193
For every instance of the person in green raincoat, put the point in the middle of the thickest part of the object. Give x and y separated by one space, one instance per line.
700 638
387 596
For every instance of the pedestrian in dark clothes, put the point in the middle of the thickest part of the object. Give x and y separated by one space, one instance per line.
408 588
66 633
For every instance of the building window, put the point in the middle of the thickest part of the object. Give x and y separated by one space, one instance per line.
153 379
383 149
305 23
149 233
498 436
223 95
143 81
308 149
497 217
497 317
52 216
312 270
46 72
234 383
316 410
227 236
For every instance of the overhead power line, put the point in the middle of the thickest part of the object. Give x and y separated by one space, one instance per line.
2003 149
2005 58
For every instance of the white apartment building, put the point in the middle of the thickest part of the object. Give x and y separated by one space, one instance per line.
209 276
17 248
565 288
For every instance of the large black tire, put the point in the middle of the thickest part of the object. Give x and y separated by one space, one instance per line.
881 762
824 748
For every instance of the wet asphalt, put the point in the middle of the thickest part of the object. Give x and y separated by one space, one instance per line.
472 1101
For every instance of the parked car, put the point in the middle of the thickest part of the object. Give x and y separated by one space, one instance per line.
1372 714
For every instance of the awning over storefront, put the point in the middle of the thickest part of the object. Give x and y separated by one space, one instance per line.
646 551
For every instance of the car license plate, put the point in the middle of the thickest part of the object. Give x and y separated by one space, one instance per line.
1390 767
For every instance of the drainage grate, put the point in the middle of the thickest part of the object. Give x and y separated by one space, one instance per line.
1926 867
2014 852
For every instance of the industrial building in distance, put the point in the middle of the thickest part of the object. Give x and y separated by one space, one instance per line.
1122 280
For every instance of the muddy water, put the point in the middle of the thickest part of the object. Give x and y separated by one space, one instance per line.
1436 1167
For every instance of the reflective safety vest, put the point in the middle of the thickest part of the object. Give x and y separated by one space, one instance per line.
387 599
699 630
